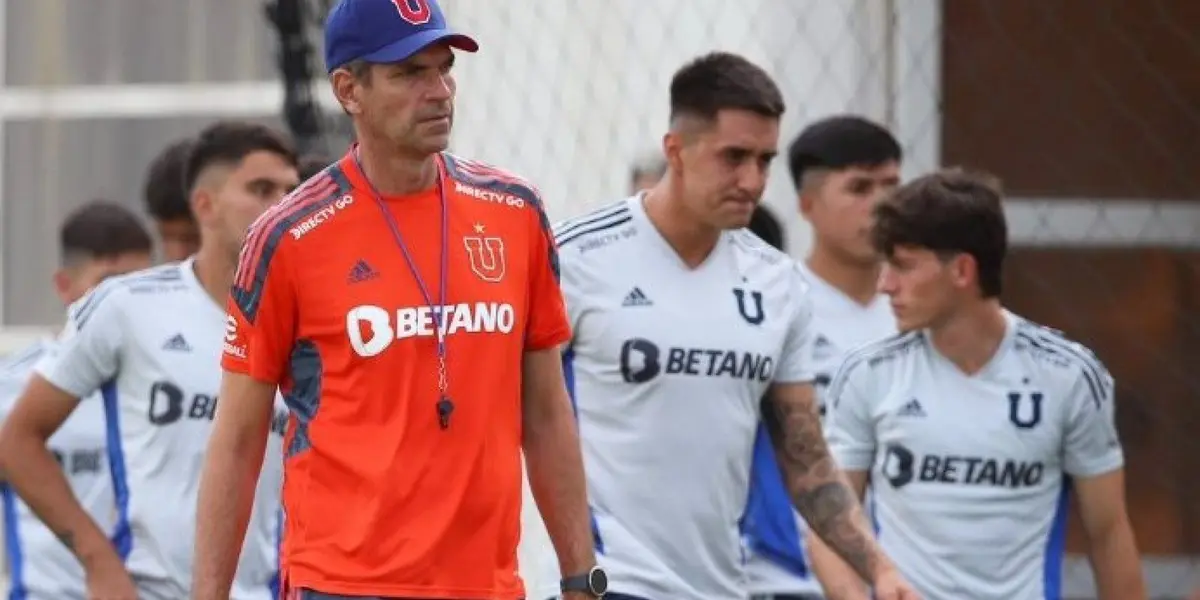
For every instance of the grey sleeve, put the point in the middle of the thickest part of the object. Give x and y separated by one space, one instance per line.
849 428
87 354
1091 446
794 363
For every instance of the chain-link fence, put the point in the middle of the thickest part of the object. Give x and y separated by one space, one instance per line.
1088 111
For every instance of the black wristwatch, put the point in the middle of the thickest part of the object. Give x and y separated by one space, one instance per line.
593 583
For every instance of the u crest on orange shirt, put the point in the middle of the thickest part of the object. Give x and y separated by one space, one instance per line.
487 257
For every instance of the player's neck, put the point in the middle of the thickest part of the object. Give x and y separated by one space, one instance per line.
692 240
857 281
971 337
395 173
215 271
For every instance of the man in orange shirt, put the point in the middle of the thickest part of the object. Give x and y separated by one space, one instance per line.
406 303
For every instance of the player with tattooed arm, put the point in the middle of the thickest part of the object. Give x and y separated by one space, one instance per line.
682 319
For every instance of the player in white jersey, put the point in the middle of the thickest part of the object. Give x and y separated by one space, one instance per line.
682 320
975 422
96 241
150 344
841 167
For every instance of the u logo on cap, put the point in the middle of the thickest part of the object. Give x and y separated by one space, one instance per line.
416 12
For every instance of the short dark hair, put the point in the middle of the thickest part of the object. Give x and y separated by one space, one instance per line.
311 164
952 211
764 224
840 142
720 81
164 192
231 141
101 229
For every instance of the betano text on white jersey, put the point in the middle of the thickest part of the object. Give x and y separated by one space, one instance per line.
970 472
666 368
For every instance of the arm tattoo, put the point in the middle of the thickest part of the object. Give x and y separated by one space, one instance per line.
819 493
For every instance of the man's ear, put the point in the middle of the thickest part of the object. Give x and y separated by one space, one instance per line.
62 285
202 202
346 88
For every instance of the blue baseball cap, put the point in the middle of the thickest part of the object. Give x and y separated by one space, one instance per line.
386 31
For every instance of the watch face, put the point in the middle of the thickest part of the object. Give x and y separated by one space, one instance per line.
598 581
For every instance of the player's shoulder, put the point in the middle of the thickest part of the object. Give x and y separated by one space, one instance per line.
489 184
885 352
313 204
1056 355
126 292
747 244
593 230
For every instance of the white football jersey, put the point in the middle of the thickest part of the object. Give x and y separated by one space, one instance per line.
667 367
777 561
970 473
150 343
39 566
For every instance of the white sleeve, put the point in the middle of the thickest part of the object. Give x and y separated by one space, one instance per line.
1091 446
794 363
88 350
849 428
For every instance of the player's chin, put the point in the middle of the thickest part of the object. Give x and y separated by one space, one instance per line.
435 143
736 215
906 321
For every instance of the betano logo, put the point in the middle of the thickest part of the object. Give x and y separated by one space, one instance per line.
323 214
371 328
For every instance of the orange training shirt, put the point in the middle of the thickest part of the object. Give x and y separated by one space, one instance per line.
379 499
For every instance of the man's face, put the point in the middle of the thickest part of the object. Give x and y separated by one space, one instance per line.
838 204
73 281
180 238
411 103
724 166
924 288
235 195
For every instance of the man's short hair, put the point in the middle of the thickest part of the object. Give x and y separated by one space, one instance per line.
723 81
764 224
228 142
950 212
840 142
99 230
165 193
311 164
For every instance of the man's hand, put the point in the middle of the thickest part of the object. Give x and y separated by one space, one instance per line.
889 585
107 579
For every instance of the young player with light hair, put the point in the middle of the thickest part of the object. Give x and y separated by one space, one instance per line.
974 424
